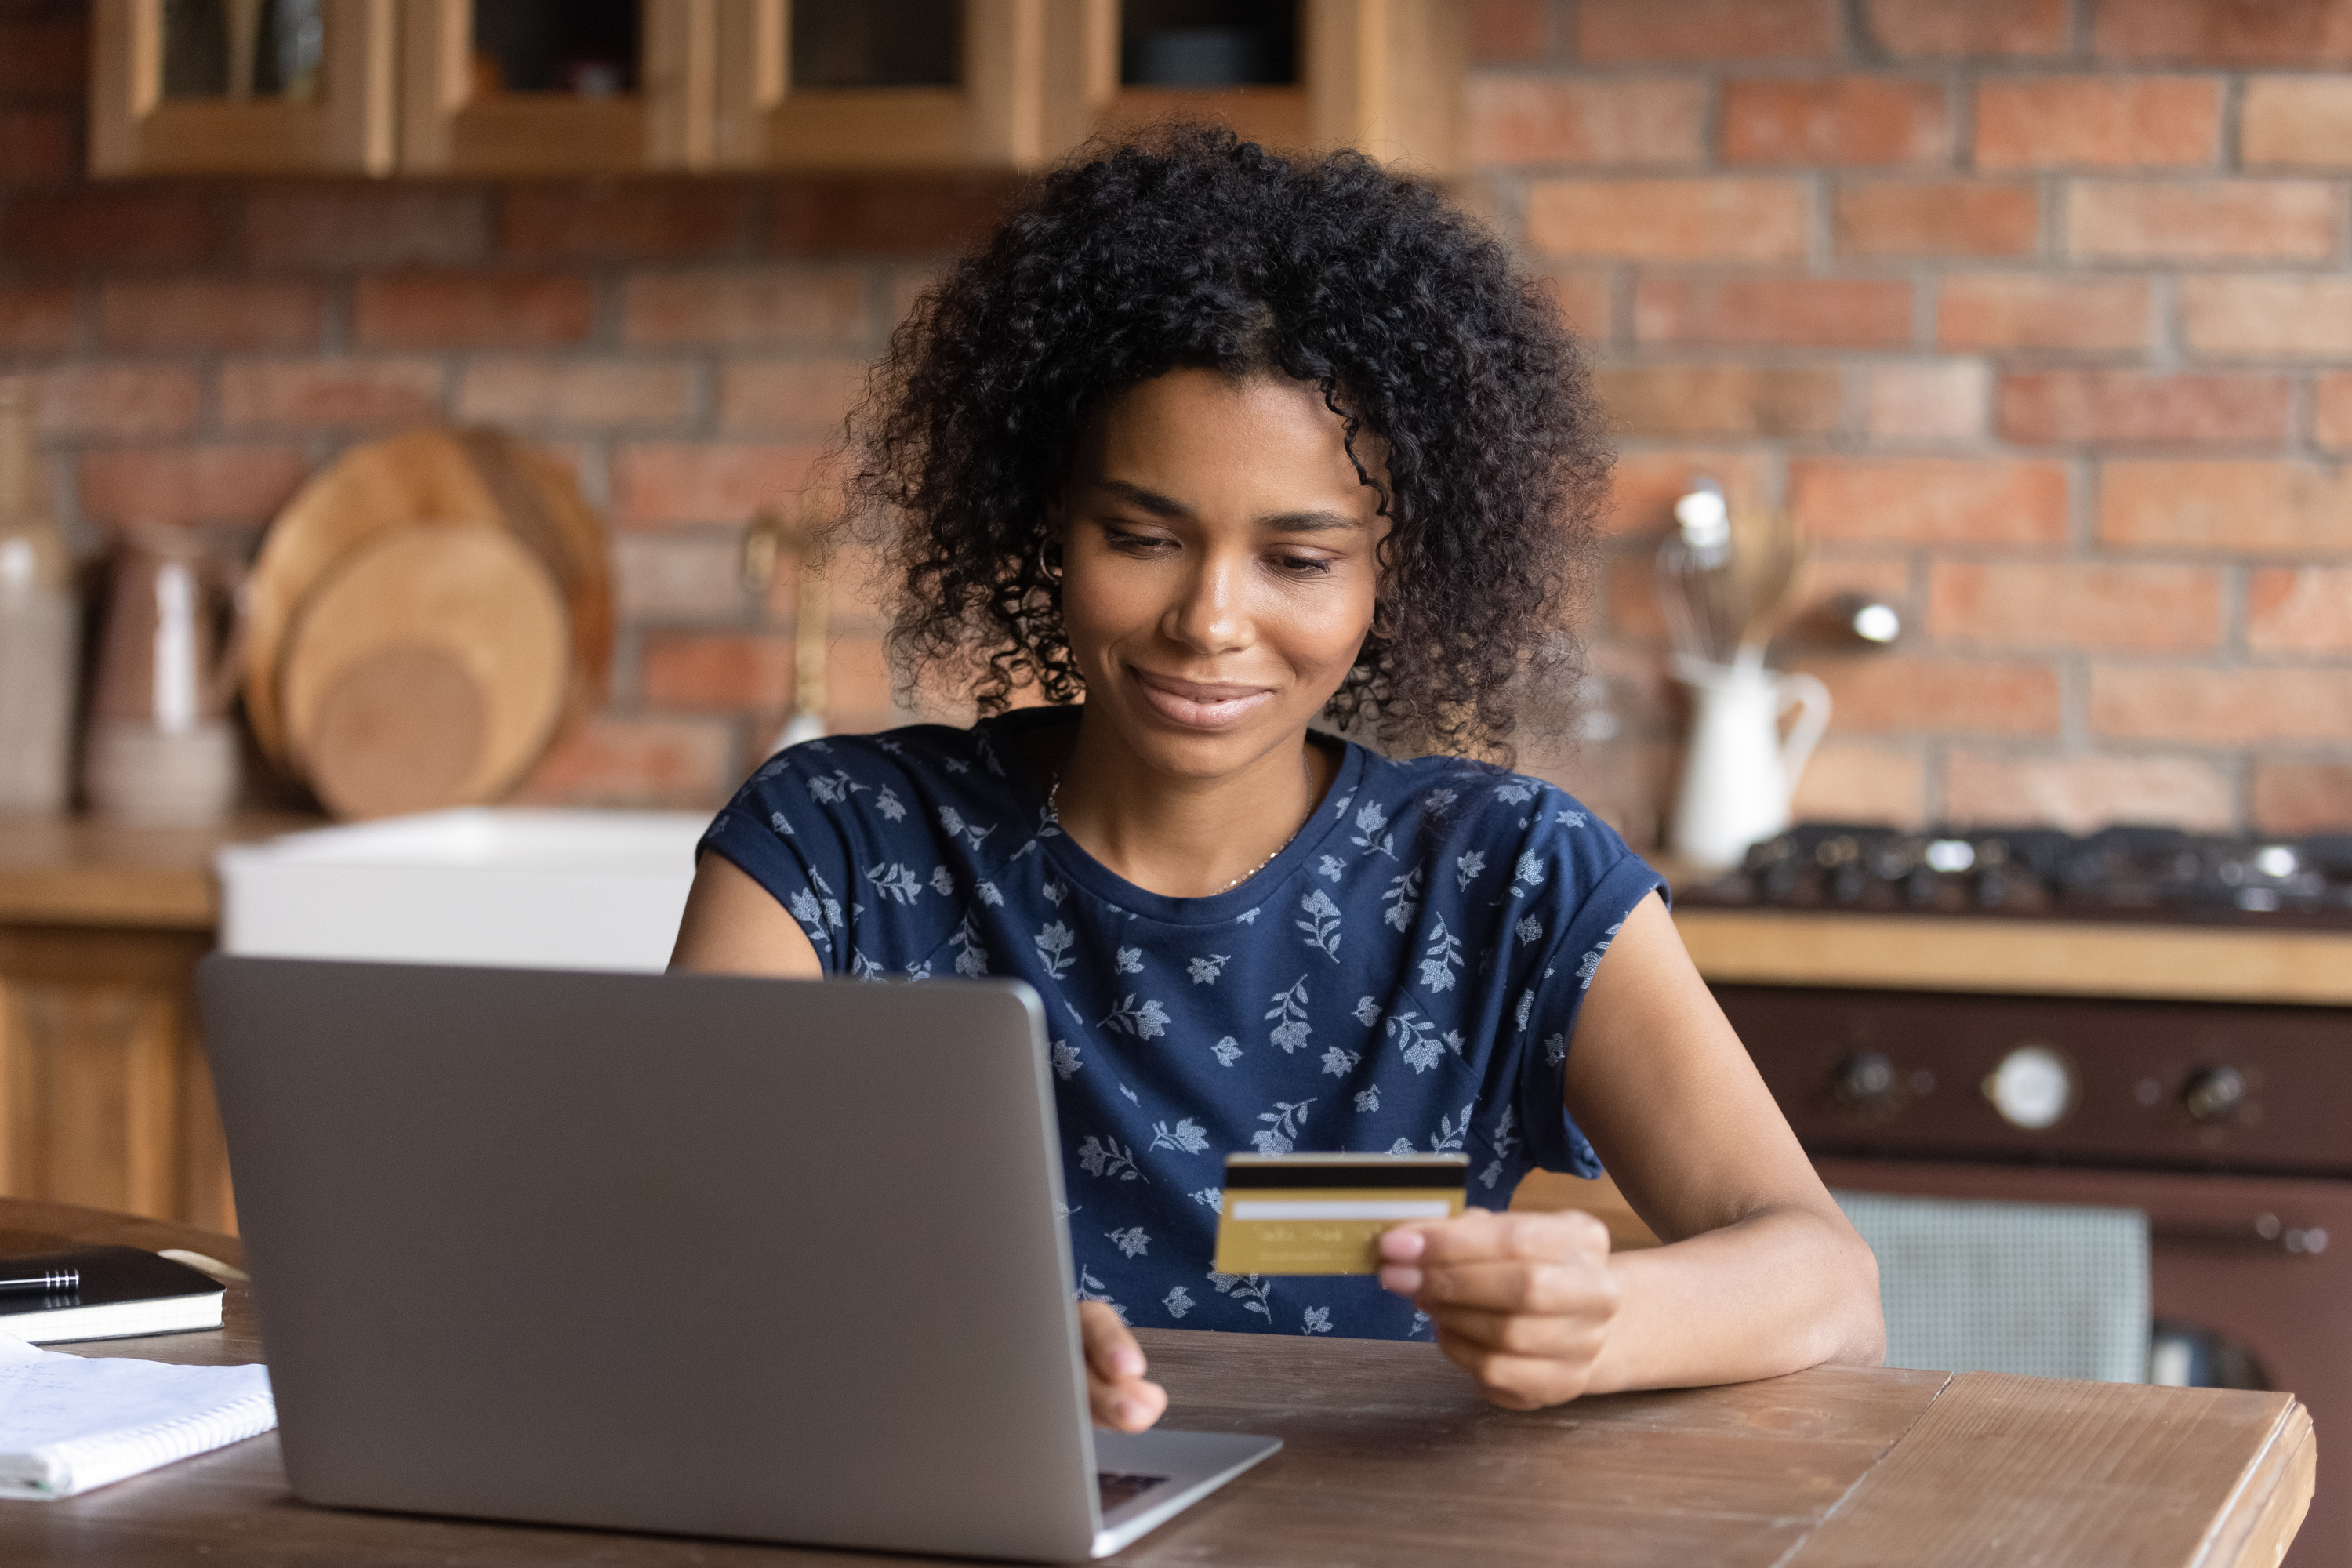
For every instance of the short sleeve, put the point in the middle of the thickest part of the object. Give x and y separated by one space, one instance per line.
1554 1140
778 831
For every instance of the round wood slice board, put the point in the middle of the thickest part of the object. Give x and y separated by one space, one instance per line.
428 670
430 478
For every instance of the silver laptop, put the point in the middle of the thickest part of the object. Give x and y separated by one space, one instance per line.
764 1259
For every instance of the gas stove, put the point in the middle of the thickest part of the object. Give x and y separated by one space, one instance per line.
2121 874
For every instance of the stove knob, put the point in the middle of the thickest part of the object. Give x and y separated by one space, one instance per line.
2033 1088
2214 1095
1863 1080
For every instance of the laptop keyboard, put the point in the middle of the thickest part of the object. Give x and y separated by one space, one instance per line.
1116 1488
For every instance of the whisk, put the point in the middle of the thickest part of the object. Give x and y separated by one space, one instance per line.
1723 580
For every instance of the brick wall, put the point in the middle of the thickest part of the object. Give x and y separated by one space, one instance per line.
2034 311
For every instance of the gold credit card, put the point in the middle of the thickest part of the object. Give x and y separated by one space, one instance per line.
1323 1213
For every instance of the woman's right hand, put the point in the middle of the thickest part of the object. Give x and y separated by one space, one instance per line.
1115 1387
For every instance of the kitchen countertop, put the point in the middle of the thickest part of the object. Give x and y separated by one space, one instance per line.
79 872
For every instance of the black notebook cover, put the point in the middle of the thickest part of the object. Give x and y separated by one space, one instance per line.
111 1276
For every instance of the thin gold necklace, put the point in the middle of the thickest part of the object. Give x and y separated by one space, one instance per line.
1054 810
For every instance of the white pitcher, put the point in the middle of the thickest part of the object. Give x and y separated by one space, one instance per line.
1740 771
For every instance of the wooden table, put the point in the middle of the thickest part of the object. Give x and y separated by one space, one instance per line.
1390 1460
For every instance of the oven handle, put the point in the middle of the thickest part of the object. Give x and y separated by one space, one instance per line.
2264 1233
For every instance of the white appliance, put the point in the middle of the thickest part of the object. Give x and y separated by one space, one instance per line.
483 885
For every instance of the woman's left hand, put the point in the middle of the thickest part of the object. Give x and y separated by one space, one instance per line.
1522 1303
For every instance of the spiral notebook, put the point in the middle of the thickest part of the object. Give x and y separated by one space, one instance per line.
69 1423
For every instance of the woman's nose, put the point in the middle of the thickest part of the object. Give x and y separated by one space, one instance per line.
1207 614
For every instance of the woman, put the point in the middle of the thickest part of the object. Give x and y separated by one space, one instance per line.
1224 444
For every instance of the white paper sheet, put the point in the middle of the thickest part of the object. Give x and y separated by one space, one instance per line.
69 1423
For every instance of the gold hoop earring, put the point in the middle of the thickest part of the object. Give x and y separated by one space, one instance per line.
1380 632
1047 570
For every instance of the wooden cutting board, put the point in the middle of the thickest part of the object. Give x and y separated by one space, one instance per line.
426 477
428 669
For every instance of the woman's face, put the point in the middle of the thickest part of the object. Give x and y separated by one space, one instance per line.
1219 574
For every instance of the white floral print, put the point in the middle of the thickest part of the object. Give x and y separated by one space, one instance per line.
1187 1136
1053 942
1416 1036
1131 1242
1466 867
1402 898
1065 1059
1206 968
1226 1051
1290 1008
1178 1301
1286 1117
1442 959
1248 1290
1591 962
1317 1320
1321 924
1107 1157
1147 1020
972 958
895 882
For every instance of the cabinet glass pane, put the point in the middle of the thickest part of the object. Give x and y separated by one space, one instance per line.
1207 44
243 48
586 47
876 43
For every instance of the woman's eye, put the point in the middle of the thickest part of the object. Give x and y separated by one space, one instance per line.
1135 543
1302 566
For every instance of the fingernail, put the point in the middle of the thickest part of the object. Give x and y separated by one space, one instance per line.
1127 1361
1403 1245
1128 1412
1404 1281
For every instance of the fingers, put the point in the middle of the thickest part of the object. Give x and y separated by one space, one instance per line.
1516 1382
1510 1262
1522 1303
1477 1235
1117 1390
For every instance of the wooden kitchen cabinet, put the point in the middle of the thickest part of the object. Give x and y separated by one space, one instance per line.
1014 84
105 1096
523 87
893 84
242 87
498 87
1383 76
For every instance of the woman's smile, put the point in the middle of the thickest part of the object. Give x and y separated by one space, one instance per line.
1198 705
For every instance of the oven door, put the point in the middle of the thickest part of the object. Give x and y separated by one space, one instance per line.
2258 1265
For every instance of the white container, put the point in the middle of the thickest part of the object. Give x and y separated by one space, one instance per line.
496 886
1739 772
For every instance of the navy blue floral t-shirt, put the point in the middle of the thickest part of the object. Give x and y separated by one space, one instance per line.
1403 977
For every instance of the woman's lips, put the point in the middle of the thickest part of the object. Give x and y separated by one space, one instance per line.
1197 705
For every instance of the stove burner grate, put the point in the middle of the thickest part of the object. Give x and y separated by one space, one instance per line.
2155 873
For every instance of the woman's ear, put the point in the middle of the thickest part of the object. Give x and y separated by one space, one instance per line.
1383 620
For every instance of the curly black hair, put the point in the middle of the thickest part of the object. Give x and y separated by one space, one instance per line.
1191 249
